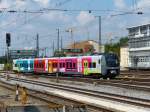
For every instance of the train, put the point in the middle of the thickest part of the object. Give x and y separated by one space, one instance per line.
104 65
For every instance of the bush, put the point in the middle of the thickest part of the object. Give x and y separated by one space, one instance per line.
8 66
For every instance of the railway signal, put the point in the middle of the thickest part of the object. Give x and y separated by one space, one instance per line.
8 39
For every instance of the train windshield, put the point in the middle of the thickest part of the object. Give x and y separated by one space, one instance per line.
112 60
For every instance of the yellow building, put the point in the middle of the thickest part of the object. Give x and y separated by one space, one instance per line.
124 57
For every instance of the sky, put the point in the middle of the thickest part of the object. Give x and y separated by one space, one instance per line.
81 17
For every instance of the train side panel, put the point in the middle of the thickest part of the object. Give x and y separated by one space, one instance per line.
15 65
39 66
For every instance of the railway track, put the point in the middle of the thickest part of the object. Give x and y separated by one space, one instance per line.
51 98
95 94
132 83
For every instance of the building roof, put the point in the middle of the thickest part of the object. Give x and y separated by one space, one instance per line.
138 26
86 41
81 44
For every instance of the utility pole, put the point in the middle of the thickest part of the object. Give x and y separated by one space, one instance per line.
53 48
61 43
99 36
8 42
37 45
58 39
72 38
45 51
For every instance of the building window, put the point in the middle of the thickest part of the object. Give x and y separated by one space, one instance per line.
143 29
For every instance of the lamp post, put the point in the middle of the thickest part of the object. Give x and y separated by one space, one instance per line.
99 34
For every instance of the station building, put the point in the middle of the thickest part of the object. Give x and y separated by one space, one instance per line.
139 46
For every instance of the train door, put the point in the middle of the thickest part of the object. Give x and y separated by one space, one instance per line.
103 66
85 64
50 67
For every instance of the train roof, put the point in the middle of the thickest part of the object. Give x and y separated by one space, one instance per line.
93 55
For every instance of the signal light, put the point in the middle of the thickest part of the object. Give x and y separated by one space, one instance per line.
8 39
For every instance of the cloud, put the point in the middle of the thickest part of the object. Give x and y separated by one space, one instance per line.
84 18
143 4
43 2
120 4
4 4
57 16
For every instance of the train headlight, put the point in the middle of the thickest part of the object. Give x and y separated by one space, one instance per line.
113 71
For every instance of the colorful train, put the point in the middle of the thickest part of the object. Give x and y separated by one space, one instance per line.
102 65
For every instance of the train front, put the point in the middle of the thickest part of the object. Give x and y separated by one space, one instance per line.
113 65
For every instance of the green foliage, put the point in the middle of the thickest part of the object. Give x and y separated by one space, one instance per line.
3 60
124 41
115 48
8 66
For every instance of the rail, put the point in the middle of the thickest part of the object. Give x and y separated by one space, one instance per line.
96 94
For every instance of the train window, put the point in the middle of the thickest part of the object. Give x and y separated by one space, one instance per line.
70 65
74 65
99 61
56 65
31 65
60 65
53 64
26 65
84 64
90 65
67 65
64 65
94 65
15 65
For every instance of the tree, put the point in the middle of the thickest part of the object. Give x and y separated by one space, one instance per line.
115 48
